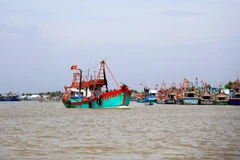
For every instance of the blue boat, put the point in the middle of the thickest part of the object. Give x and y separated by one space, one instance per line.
2 98
190 98
9 97
234 99
15 98
149 96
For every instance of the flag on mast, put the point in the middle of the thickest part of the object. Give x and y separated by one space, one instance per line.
74 67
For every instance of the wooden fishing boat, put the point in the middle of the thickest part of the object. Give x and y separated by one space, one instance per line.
85 92
207 99
222 99
235 93
10 97
171 98
147 96
235 99
190 96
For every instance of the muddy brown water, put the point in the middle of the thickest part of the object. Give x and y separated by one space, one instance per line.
48 130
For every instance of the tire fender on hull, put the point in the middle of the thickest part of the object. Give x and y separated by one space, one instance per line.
90 104
99 101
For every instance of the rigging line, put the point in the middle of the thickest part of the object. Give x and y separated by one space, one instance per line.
91 68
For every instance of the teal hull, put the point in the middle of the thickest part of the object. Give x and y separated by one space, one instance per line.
107 102
190 101
140 100
146 100
222 103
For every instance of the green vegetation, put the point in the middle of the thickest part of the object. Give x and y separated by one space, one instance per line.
229 85
134 91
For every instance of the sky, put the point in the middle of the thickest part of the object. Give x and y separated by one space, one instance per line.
142 41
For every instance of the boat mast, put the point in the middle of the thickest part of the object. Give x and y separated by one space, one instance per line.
80 82
105 79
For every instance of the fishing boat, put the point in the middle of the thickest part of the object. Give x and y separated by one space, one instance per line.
171 98
190 98
93 92
10 97
147 96
234 98
207 99
222 99
2 97
235 93
15 98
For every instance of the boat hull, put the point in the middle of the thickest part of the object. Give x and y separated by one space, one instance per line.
234 101
146 100
110 100
161 101
206 102
140 100
221 102
190 101
171 101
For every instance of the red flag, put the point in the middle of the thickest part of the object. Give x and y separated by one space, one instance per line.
74 67
156 84
141 84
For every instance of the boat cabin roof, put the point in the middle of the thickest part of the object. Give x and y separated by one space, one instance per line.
221 96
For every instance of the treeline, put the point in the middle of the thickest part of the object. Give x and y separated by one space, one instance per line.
233 85
52 94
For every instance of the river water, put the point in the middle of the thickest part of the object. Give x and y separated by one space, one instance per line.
48 130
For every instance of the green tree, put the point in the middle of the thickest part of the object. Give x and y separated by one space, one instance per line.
229 85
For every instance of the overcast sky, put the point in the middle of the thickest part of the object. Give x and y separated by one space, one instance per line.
143 41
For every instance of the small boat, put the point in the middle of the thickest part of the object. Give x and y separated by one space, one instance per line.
190 98
222 99
207 99
85 92
2 98
10 97
147 96
15 98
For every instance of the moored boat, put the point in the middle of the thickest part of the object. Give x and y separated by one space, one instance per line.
207 99
235 93
147 96
171 98
235 99
190 98
86 93
222 99
10 97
